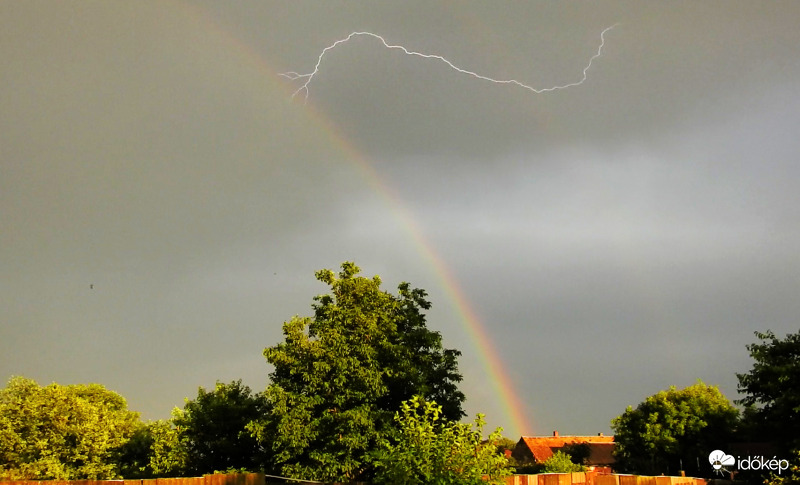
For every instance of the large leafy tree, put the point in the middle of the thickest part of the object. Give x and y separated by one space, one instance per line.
61 432
212 429
430 450
772 389
208 435
154 450
135 454
673 429
340 376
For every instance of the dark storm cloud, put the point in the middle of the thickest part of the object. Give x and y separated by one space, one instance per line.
652 254
658 63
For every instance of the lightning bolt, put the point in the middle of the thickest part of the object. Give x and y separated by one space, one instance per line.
307 78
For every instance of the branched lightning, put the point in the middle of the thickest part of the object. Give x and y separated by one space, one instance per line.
293 76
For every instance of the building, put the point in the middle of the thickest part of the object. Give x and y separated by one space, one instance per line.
537 449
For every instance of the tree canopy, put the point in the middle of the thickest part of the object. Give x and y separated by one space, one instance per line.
672 428
212 429
561 462
154 451
430 450
208 435
61 432
772 389
340 376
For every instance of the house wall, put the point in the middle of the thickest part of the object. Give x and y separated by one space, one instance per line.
521 452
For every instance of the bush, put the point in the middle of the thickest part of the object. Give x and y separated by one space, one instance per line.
429 450
561 462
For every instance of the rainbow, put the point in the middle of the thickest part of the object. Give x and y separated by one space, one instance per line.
514 410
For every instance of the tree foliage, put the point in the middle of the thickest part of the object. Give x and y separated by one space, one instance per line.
135 454
671 428
168 455
212 429
787 477
339 377
61 432
505 445
430 450
561 462
154 450
772 389
578 452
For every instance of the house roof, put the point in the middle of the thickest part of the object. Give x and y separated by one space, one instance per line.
601 454
542 447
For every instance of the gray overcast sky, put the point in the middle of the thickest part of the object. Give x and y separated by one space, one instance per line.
614 238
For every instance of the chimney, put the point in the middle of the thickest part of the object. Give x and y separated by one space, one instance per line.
599 434
555 433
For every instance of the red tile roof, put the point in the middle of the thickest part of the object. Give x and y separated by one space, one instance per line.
601 454
540 448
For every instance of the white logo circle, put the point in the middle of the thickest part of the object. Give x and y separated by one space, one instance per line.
718 459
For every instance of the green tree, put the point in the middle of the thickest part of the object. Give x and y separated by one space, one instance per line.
673 428
339 377
134 456
61 432
578 452
561 462
168 457
429 450
772 390
504 445
787 477
155 450
212 429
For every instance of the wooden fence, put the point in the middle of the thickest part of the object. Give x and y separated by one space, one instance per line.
580 478
216 479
